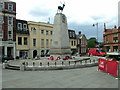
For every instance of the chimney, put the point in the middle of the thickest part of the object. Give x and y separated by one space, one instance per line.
79 32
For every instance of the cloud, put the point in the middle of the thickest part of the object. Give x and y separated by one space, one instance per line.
81 14
39 12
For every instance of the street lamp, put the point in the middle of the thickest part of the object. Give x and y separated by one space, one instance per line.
97 29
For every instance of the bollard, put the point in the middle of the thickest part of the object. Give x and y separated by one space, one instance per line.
48 63
26 64
69 62
4 65
94 60
55 63
85 61
23 63
33 63
22 67
80 62
75 62
40 63
90 61
33 68
62 63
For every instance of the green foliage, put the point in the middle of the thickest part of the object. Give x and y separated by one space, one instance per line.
92 42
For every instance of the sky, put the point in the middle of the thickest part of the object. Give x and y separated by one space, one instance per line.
81 14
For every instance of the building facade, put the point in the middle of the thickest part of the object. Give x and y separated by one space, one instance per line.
40 38
112 40
73 41
8 27
82 45
22 39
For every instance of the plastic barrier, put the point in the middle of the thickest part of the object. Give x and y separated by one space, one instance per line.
112 68
108 66
102 65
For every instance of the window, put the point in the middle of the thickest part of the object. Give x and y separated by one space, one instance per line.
47 43
70 34
51 32
107 48
73 34
1 5
106 39
115 39
34 31
34 42
25 40
10 6
19 26
19 40
42 31
42 42
10 21
1 19
1 34
115 48
23 54
74 43
9 35
46 32
25 27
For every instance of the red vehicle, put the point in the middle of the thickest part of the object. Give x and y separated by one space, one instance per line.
96 52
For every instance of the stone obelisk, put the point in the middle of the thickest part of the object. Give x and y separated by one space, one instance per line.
60 40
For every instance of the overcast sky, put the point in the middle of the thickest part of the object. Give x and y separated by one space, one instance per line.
81 14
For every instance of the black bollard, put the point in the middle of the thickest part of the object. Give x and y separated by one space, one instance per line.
23 63
75 62
55 63
62 63
85 61
48 63
33 63
94 60
90 61
40 63
69 62
26 63
80 62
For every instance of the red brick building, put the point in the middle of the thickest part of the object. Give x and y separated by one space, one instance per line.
8 27
112 39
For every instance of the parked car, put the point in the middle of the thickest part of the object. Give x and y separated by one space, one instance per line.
4 57
96 52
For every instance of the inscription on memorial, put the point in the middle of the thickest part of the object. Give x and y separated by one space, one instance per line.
56 42
63 19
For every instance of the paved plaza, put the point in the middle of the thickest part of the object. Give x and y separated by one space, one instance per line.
72 78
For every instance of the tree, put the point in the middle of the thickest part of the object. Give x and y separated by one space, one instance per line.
92 42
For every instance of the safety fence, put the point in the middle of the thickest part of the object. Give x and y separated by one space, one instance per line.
110 67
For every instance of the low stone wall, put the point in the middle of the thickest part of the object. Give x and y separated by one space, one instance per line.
60 65
37 68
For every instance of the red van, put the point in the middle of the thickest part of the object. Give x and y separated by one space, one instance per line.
96 52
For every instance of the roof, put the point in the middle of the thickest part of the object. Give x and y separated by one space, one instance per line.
80 36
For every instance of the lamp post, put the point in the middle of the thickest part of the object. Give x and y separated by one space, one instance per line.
97 29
